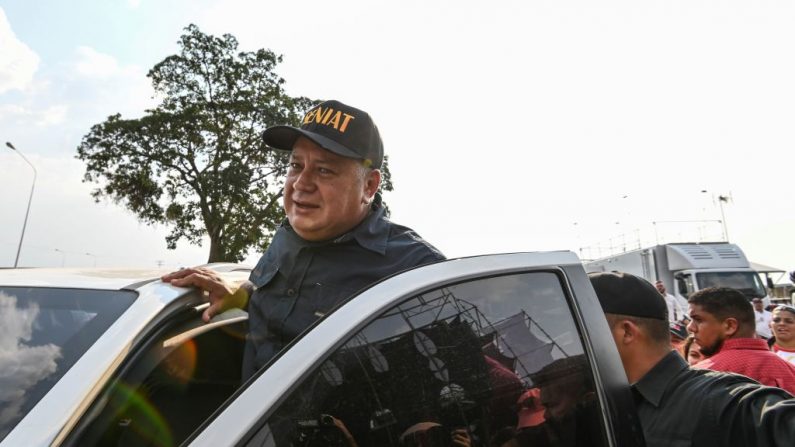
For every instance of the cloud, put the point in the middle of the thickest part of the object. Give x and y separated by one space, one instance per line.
23 366
52 115
105 81
92 63
18 62
133 4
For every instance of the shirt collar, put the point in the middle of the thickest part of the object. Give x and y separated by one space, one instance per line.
652 386
744 343
372 233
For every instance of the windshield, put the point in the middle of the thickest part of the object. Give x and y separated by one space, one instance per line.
43 331
746 282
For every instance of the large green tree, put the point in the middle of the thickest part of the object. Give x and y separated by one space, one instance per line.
196 162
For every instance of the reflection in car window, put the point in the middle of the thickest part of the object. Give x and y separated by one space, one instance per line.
43 331
496 361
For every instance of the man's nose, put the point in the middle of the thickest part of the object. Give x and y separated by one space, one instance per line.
304 181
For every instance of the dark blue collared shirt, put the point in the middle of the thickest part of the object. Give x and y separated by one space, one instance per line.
297 281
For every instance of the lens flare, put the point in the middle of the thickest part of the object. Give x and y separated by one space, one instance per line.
140 415
180 364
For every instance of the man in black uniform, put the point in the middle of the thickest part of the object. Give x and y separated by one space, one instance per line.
335 241
677 405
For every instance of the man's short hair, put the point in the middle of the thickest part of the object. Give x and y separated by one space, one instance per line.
657 330
725 302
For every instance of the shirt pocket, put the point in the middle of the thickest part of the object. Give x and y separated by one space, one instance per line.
263 273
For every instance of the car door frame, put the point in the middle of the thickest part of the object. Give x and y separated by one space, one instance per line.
245 413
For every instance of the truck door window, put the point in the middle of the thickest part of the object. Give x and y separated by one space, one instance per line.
684 284
496 361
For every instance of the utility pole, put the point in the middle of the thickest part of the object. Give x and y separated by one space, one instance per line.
30 199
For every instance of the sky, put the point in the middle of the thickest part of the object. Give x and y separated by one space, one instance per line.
510 125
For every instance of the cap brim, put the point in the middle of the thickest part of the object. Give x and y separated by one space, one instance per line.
284 137
533 415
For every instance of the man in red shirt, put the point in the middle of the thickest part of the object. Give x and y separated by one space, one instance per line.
723 324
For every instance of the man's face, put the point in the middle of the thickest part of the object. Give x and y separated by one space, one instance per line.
708 331
325 194
560 398
783 325
758 305
660 287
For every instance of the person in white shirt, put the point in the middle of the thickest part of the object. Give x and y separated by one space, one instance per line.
763 319
675 310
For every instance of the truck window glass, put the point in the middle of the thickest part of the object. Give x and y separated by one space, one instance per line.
497 361
684 284
746 282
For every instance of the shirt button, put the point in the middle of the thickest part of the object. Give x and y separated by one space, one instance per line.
290 292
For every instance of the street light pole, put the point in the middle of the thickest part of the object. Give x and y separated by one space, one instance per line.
30 199
63 256
722 199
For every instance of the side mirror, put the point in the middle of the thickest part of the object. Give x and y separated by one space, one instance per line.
770 284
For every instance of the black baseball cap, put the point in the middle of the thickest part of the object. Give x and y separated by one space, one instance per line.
626 294
336 127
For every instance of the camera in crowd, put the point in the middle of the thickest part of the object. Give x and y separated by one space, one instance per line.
319 432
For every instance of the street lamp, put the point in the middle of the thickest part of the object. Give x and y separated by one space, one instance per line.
30 199
721 200
63 256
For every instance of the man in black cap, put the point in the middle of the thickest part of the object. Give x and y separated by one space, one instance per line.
678 405
335 241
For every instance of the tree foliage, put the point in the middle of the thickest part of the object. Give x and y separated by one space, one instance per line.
196 162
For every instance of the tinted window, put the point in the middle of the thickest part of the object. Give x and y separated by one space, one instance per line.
43 332
166 390
495 361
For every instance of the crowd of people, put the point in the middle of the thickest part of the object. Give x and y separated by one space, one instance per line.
336 239
708 379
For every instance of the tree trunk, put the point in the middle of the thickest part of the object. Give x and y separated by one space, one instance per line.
216 251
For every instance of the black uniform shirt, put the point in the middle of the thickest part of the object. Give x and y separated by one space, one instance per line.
297 281
682 406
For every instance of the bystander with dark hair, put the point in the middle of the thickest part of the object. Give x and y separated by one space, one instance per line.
723 325
691 351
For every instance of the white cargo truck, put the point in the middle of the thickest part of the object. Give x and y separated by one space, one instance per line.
685 268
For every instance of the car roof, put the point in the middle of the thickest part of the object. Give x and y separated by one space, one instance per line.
94 278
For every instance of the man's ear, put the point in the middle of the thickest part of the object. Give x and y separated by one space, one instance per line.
730 326
628 331
371 183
